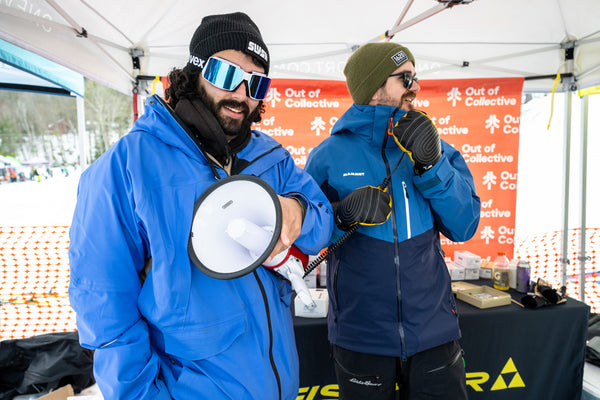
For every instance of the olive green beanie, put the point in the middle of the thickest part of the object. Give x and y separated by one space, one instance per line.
369 66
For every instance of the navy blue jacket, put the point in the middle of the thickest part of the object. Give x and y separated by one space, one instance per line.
389 288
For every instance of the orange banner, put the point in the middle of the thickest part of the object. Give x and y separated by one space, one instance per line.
300 113
479 117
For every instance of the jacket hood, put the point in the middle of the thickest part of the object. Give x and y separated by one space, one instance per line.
368 122
157 113
160 121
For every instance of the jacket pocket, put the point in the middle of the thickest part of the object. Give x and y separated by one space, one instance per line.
200 341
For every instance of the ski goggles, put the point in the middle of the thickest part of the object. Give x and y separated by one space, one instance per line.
227 76
407 79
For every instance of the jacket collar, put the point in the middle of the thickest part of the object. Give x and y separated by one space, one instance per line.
369 122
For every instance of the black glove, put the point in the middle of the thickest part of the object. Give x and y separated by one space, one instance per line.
534 301
366 205
416 134
542 289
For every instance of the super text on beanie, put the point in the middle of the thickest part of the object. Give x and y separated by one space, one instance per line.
234 31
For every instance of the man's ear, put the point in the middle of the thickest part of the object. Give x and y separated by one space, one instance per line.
375 99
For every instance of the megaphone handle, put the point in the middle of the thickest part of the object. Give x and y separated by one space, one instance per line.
302 291
292 270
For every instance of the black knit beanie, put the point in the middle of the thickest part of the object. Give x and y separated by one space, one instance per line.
369 66
234 31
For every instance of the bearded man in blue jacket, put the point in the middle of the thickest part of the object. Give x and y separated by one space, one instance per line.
181 334
393 183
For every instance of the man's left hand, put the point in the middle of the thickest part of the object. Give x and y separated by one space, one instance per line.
291 225
416 134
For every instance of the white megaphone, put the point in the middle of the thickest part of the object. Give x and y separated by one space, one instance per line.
235 227
289 263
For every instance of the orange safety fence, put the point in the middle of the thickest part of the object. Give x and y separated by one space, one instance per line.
34 281
544 252
34 275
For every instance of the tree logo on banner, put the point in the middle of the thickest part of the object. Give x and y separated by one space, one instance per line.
454 96
273 97
492 123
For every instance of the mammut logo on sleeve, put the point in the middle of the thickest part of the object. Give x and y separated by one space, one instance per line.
259 51
350 173
400 58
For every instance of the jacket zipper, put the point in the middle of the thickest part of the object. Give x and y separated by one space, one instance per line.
407 210
388 172
271 359
398 277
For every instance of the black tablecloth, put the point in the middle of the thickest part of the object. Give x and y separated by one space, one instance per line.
510 352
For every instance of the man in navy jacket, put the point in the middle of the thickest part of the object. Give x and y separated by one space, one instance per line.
179 333
392 315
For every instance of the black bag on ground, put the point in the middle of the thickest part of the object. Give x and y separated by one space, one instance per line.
43 363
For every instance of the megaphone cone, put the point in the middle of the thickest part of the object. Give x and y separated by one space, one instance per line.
236 198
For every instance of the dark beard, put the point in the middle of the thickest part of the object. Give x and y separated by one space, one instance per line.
232 128
404 97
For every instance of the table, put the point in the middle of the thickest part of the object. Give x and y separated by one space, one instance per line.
510 352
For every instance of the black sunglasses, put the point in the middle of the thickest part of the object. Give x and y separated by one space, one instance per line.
407 79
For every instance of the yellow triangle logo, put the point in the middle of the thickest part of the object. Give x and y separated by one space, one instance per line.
516 381
499 384
509 367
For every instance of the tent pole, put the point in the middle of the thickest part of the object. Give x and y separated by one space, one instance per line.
564 260
584 142
424 15
81 133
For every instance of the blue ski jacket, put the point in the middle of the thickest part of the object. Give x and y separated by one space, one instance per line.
389 287
181 334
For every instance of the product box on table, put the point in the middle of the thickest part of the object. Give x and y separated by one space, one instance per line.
311 280
484 297
466 259
456 273
321 299
487 269
469 261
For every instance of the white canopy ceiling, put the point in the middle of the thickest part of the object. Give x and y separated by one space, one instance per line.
313 38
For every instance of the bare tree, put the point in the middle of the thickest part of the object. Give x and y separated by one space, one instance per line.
108 116
43 125
10 140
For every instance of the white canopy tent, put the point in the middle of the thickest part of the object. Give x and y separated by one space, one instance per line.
123 44
114 42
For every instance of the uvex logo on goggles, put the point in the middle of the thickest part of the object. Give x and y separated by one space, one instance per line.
227 76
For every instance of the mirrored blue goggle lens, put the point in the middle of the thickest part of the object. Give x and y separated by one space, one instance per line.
259 86
228 77
223 75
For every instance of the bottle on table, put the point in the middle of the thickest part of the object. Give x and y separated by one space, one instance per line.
523 276
512 273
501 271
